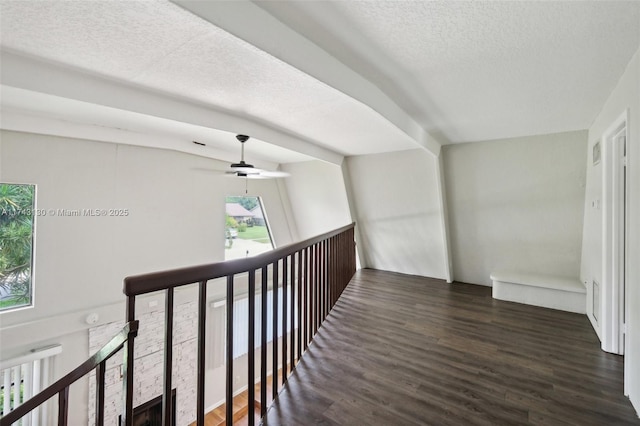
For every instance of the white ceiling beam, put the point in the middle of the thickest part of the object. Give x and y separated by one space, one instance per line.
254 25
24 122
43 77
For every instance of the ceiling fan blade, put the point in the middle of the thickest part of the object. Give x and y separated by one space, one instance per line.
274 174
245 176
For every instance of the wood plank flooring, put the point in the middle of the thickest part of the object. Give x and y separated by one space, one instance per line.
217 416
406 350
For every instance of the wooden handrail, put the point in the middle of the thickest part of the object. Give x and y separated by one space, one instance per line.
325 264
61 386
155 281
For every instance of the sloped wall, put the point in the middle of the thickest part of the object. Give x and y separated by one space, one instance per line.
399 215
318 198
516 204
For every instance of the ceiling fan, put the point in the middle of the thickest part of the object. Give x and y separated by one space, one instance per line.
245 170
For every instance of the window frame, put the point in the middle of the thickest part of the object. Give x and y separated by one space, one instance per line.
266 225
35 213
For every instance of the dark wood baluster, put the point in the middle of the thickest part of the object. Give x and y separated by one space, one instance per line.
317 281
323 266
229 384
338 264
339 261
321 276
63 406
352 254
312 302
330 274
325 281
345 267
284 319
100 370
263 345
326 278
305 275
329 280
343 264
300 295
334 277
251 368
338 267
292 312
347 249
348 246
274 341
168 358
327 268
127 382
202 329
320 284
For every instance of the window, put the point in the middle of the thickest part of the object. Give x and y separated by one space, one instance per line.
241 321
246 228
241 325
17 215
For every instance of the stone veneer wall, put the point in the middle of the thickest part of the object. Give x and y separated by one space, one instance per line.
148 368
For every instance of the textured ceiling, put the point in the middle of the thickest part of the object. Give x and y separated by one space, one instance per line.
461 71
158 45
481 70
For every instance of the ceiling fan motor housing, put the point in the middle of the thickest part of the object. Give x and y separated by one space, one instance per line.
243 169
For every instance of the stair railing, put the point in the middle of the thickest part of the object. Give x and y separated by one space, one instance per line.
61 387
313 273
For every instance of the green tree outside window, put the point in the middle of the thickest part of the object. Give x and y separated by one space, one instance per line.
17 212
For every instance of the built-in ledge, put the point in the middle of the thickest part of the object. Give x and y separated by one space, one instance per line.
565 294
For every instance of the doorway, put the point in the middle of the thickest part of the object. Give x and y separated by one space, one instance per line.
614 179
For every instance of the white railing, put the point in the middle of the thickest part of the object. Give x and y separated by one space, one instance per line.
25 376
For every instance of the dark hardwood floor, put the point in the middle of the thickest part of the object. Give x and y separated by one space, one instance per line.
405 350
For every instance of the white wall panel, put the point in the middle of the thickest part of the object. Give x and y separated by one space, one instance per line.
516 205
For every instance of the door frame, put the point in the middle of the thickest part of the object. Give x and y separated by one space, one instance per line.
614 262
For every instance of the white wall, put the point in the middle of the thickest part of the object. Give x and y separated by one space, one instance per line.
176 218
399 214
626 95
516 204
316 191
